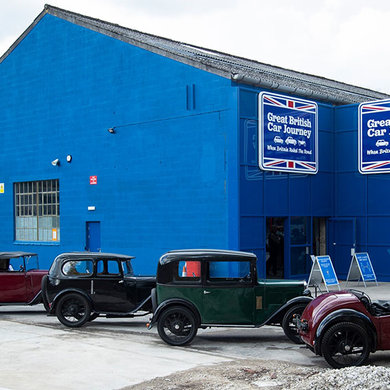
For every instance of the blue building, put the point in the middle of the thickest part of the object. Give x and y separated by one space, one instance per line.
121 141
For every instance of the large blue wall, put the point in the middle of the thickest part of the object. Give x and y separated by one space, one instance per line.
167 178
362 200
269 194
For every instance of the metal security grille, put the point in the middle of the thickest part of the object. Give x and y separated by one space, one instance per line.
37 210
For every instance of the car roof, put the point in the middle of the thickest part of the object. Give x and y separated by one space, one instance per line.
95 255
205 254
14 255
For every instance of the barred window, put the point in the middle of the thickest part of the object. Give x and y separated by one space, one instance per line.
37 210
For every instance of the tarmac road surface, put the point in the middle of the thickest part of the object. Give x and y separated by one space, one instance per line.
38 352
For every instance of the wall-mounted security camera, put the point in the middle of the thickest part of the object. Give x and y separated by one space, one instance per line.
55 162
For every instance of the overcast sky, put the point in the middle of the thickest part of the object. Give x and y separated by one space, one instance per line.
345 40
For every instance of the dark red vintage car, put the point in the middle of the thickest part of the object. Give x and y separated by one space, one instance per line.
20 278
344 327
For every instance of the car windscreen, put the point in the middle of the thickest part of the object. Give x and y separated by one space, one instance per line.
31 262
127 268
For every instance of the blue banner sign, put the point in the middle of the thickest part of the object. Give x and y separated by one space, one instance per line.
288 134
327 270
374 137
365 266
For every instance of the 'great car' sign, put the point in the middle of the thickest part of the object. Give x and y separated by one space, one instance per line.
287 134
374 137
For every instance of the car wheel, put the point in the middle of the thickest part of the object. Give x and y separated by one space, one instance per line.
177 326
288 325
346 344
73 310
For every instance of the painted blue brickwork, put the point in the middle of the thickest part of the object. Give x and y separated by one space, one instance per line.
362 199
163 177
269 194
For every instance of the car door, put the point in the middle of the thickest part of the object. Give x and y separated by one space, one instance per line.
110 289
13 287
228 293
13 282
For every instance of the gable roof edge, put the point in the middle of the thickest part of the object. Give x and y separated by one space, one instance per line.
24 34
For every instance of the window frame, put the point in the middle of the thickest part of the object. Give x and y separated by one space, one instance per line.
35 202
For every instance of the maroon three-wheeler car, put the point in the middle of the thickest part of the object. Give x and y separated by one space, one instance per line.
344 327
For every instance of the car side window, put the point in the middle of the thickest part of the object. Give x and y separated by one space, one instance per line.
188 271
108 268
78 268
16 264
223 271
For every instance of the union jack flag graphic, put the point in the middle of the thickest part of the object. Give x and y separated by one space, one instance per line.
290 164
286 102
290 143
368 108
375 166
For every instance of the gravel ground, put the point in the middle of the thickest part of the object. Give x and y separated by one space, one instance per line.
258 374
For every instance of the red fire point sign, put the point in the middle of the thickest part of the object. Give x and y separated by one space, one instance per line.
93 180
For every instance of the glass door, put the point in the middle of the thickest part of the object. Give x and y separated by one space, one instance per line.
300 244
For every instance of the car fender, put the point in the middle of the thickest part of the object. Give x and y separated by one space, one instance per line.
278 315
350 315
174 302
53 305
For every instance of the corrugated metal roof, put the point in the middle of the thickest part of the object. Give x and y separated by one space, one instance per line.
236 68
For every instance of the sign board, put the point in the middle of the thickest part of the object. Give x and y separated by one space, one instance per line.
361 268
323 271
288 134
374 137
1 188
93 180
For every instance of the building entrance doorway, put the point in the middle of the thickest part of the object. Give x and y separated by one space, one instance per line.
275 247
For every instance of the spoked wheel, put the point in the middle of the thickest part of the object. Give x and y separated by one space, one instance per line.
73 310
177 326
346 344
289 326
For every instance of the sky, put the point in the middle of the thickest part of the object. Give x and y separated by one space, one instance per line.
344 40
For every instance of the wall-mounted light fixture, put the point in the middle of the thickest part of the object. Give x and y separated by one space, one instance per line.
111 130
55 162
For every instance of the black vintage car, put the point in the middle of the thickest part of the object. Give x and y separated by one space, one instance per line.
83 285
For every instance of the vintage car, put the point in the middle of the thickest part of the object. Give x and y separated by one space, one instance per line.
83 285
214 288
20 278
344 327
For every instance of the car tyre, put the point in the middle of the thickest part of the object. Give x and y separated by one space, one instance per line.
289 327
177 326
43 293
346 344
73 310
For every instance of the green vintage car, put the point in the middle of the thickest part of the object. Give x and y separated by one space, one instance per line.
214 288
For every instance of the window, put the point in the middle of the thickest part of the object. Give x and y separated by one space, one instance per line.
108 268
229 270
78 268
188 271
37 211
